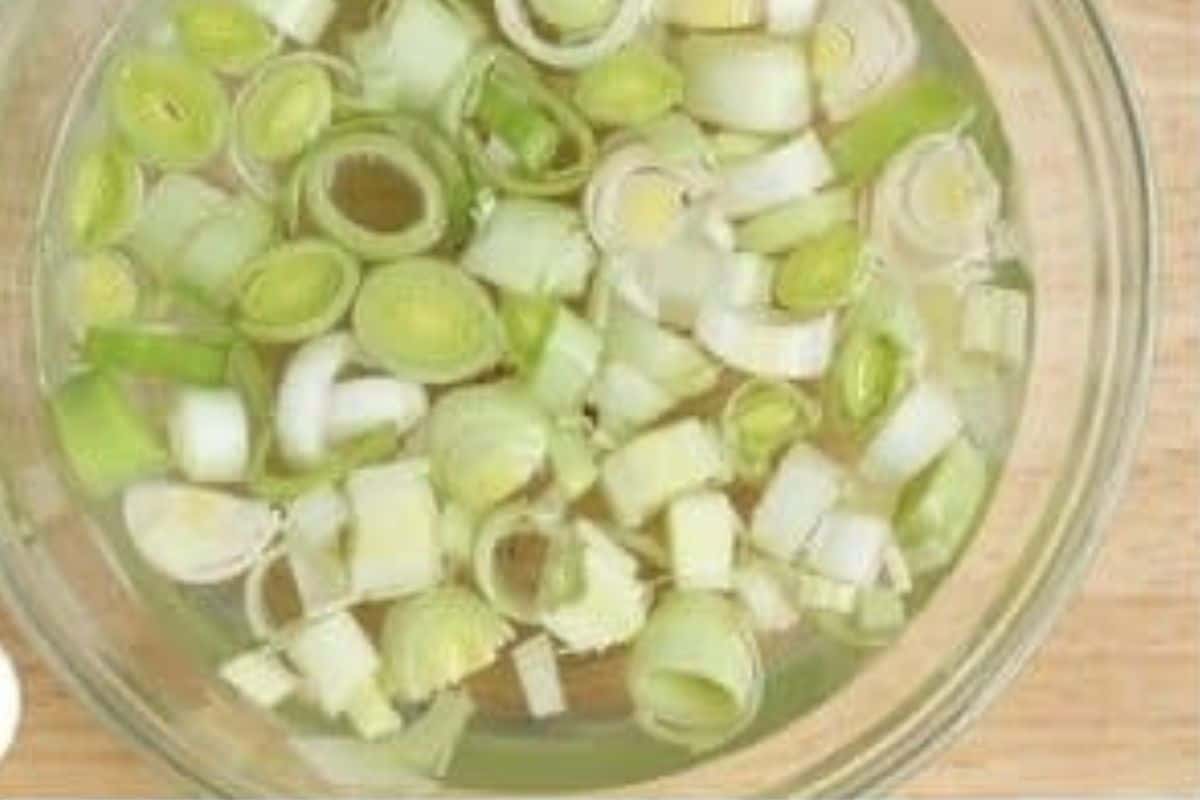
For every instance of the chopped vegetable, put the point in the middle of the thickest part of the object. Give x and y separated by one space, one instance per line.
217 249
426 321
766 342
568 364
175 208
790 17
305 396
918 431
574 16
296 292
519 28
260 677
224 35
788 173
336 658
630 87
817 593
363 405
210 435
995 324
370 448
435 640
372 714
532 247
157 352
703 528
626 400
749 281
394 544
761 592
849 547
936 509
574 462
537 670
672 361
504 578
106 440
527 320
695 673
711 14
763 417
860 50
868 374
718 69
105 196
805 486
302 20
785 227
100 289
827 272
284 109
197 536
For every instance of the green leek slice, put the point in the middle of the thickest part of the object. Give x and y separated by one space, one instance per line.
784 228
296 292
939 506
284 109
869 373
107 441
860 49
630 87
536 664
173 113
532 247
261 677
527 322
428 322
762 418
573 459
176 207
569 362
154 352
695 674
225 35
487 442
577 51
99 289
518 128
823 273
335 467
435 640
105 196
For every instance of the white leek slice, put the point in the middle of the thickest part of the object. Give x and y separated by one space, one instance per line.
518 26
106 196
304 21
394 546
610 605
568 364
456 532
917 432
634 86
174 209
761 592
768 343
935 205
785 227
750 281
211 259
437 639
504 578
652 470
316 519
695 674
703 528
790 17
99 289
305 395
360 406
336 658
995 323
261 677
673 283
413 51
209 432
672 361
487 442
312 533
805 486
371 712
849 547
819 593
720 69
785 174
537 671
711 14
533 247
573 459
860 49
197 536
626 400
988 398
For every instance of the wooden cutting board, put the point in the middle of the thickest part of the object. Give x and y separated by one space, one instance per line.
1111 704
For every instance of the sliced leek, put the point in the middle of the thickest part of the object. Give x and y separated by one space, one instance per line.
628 88
569 362
711 14
305 395
527 321
435 640
574 461
371 713
703 529
224 35
763 595
177 205
304 21
923 425
827 272
157 352
296 291
860 50
336 658
790 172
425 321
105 196
574 16
537 670
762 418
363 405
284 109
626 400
673 362
766 342
995 324
513 542
519 28
695 674
99 289
868 374
790 17
849 547
805 486
173 113
783 228
210 435
936 509
214 253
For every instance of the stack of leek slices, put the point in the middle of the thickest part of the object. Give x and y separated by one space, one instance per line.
542 334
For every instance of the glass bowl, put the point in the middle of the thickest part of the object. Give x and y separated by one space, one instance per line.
1089 221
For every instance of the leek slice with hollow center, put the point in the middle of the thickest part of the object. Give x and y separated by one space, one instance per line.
225 35
197 536
426 321
99 289
486 442
761 418
302 20
861 49
574 16
435 640
377 195
105 196
767 342
296 292
936 510
284 109
695 674
511 551
518 26
305 395
869 372
173 113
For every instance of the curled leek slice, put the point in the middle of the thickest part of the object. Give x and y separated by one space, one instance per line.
376 194
790 172
648 473
197 536
711 14
761 418
410 55
548 149
804 487
532 247
695 674
363 405
511 552
935 205
435 640
567 365
225 35
304 21
296 292
920 429
848 547
106 439
336 658
427 321
305 395
936 509
766 342
210 435
761 592
995 324
105 197
574 16
519 27
284 108
633 86
486 442
869 373
718 68
672 361
823 273
860 50
173 113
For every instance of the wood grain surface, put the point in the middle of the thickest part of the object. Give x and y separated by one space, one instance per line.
1111 703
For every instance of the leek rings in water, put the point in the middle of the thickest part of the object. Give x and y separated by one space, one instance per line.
631 87
99 289
860 49
225 35
620 29
296 292
937 508
302 20
284 109
868 374
172 112
105 197
695 673
504 583
763 417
